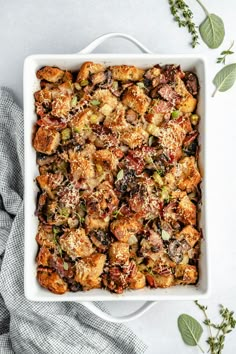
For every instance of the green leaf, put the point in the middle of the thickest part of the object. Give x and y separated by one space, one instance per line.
165 235
190 329
95 102
225 78
120 175
65 266
212 31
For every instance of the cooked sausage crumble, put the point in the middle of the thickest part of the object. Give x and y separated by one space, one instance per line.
117 150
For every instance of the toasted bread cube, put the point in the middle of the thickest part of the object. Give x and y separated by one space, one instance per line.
89 269
124 228
189 176
43 96
108 102
134 137
61 105
45 236
50 74
138 281
46 141
189 234
95 223
51 280
119 253
116 121
80 121
81 163
126 73
188 105
160 281
48 182
67 76
87 69
135 98
187 211
44 256
186 274
76 243
106 159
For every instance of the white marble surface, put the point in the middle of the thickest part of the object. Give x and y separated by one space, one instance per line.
59 26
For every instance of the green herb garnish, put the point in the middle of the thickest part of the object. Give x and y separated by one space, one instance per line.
184 17
95 102
218 332
224 54
212 29
120 175
65 266
190 330
225 78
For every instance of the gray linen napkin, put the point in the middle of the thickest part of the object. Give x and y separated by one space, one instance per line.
34 327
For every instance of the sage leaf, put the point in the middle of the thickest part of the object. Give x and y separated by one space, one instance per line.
225 78
120 175
190 329
212 31
165 235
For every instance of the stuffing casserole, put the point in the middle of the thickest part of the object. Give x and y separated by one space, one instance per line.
117 150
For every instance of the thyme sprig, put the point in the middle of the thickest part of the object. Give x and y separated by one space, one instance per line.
216 342
184 17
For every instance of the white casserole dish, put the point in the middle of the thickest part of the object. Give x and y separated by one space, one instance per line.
33 291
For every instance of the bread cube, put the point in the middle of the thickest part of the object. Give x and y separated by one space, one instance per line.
87 69
50 74
186 274
126 73
189 234
119 253
187 211
76 243
46 141
51 280
89 269
124 228
135 98
138 281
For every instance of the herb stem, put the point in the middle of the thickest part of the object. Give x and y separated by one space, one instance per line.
213 95
200 348
203 7
203 308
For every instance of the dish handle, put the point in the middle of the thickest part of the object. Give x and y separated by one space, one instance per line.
94 44
118 319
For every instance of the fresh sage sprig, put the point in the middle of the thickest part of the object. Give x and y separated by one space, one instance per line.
184 17
222 58
212 29
225 78
191 330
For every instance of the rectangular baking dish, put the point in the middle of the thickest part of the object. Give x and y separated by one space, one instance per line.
195 63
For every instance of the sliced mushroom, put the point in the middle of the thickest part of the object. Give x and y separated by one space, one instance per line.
175 251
